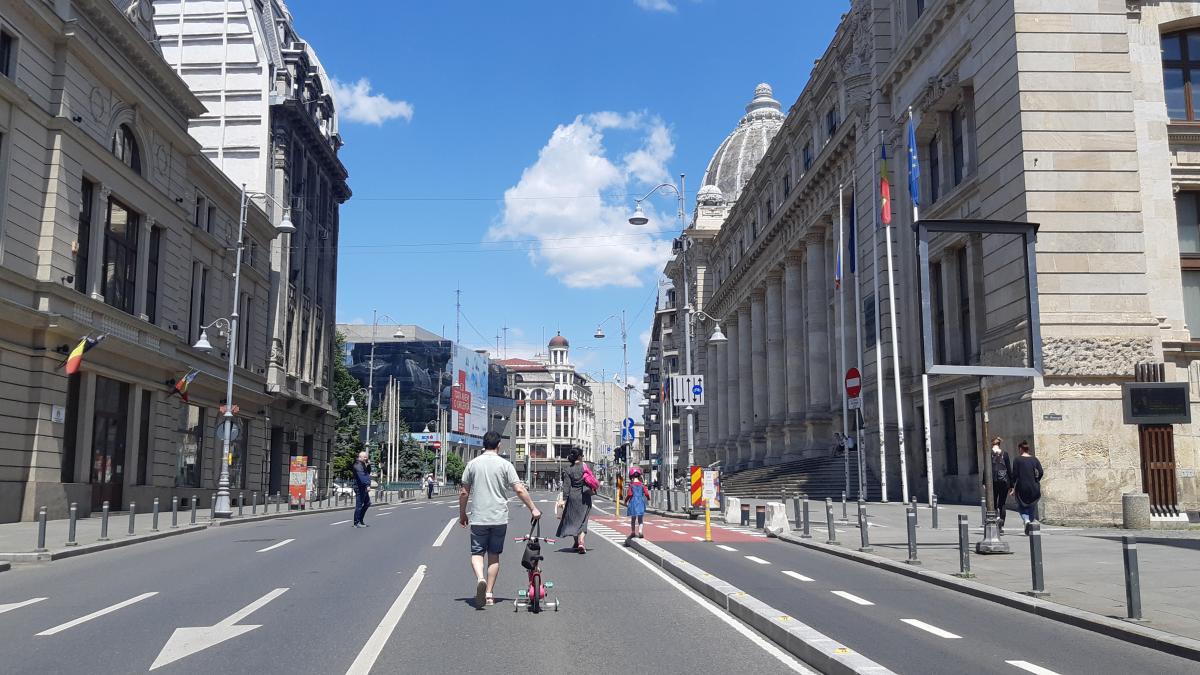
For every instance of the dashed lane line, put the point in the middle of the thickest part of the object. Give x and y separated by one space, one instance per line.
374 645
272 547
1031 667
679 532
852 598
916 623
340 522
723 547
797 576
441 539
96 614
18 605
756 559
698 538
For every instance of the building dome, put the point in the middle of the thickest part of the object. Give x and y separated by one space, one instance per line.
559 342
710 195
734 161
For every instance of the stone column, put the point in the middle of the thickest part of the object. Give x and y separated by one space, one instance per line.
818 362
776 369
745 385
732 417
797 399
758 360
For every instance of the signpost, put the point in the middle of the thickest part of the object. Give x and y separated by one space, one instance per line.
687 390
853 389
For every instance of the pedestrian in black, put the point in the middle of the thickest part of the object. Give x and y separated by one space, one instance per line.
362 488
1001 478
1026 480
578 484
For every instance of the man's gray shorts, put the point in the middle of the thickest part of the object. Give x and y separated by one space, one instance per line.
488 539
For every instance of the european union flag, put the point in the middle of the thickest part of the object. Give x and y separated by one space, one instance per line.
914 166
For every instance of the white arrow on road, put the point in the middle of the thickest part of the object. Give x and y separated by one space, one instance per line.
187 641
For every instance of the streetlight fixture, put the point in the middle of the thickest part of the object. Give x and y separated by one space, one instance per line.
222 508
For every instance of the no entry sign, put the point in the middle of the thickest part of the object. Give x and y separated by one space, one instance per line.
853 383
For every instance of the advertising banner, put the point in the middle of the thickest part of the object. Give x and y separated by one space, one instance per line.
298 481
468 401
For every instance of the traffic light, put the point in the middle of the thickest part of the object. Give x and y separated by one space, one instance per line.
622 453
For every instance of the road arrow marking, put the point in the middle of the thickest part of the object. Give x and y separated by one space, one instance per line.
187 641
96 614
18 605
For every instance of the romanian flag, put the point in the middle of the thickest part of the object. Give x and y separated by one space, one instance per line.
181 387
885 188
75 359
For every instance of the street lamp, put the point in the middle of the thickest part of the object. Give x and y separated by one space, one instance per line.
221 506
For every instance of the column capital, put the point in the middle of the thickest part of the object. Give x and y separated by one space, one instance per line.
758 294
815 235
775 276
796 255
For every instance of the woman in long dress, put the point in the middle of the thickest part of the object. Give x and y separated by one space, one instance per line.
578 498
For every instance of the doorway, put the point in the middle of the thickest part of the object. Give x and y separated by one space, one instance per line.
109 428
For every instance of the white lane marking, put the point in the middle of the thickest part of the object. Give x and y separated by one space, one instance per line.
272 547
191 639
698 538
1030 667
852 598
797 576
723 547
374 645
96 614
750 635
340 522
756 559
381 514
915 623
441 539
18 605
679 532
597 508
417 508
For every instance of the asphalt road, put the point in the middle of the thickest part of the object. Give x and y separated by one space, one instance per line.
311 594
903 624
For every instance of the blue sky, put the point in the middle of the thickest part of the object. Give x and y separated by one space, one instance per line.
479 133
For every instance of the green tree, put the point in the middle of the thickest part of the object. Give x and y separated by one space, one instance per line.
411 456
348 432
454 468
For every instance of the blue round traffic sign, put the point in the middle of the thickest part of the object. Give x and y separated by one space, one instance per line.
697 390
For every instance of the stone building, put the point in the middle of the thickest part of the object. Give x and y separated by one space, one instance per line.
1075 116
271 124
100 234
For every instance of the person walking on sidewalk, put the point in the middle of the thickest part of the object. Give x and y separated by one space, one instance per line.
578 484
362 488
483 505
1026 479
1001 476
635 499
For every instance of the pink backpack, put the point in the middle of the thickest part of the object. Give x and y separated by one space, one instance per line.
589 479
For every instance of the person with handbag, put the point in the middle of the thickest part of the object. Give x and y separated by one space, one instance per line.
578 486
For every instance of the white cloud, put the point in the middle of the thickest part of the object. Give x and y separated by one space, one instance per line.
656 5
588 242
356 103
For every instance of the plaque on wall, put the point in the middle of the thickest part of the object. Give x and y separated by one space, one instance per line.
1156 403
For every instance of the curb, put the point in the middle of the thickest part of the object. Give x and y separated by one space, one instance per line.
273 516
1144 636
806 643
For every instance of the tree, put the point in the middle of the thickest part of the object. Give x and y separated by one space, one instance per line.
348 432
411 458
454 468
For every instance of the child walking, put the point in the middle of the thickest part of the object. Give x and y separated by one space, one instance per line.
636 496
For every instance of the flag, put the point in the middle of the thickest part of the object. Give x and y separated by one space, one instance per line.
75 358
181 387
914 166
837 266
885 188
851 242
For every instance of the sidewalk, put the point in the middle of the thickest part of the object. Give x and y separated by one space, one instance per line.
1083 567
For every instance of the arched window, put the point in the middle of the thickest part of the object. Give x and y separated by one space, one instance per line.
125 148
538 395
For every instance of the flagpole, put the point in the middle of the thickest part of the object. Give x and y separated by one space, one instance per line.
858 332
891 280
842 334
879 375
914 194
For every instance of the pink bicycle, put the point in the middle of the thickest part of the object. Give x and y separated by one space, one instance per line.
538 594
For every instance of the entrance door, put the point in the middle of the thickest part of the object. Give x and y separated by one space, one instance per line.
108 442
1158 467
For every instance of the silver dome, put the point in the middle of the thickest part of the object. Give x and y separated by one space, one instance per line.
734 161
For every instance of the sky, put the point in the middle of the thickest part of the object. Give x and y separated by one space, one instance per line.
497 148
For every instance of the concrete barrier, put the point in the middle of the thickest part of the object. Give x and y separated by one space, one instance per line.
777 521
733 510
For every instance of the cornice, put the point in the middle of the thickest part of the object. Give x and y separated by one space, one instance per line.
937 14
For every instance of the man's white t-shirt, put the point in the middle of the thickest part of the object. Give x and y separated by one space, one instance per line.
490 477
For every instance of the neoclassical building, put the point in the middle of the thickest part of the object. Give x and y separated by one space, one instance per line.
1074 116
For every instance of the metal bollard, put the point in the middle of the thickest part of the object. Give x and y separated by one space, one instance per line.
912 535
195 502
104 521
132 516
913 500
1035 561
241 502
1133 584
934 505
832 538
71 525
212 508
41 547
964 548
760 516
796 510
154 518
174 510
845 517
254 503
745 519
983 511
806 531
863 526
278 500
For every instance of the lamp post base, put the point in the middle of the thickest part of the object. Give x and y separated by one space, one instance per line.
222 507
991 542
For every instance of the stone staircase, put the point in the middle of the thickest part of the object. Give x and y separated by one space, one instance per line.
818 477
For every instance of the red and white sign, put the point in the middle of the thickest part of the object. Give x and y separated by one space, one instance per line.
460 402
298 480
437 445
853 383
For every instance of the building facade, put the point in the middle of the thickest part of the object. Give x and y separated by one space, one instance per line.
1074 116
611 409
99 236
272 125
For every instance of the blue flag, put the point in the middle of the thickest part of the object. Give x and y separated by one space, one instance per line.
914 166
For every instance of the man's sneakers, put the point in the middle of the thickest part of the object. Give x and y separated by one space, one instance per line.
480 593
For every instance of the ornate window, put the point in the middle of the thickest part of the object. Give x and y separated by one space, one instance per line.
125 148
1181 65
120 256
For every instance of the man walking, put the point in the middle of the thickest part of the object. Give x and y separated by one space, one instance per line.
485 485
362 488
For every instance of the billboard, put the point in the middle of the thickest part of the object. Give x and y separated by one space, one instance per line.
469 400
